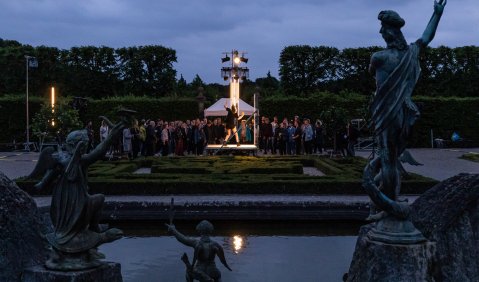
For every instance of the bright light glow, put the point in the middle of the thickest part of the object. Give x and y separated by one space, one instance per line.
237 60
238 243
53 104
53 98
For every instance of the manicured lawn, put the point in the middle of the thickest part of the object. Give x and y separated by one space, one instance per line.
229 175
474 157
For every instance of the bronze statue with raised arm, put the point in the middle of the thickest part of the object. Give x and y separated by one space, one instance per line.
203 267
75 214
393 113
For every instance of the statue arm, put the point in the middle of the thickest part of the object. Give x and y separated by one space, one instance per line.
180 237
431 28
221 256
102 148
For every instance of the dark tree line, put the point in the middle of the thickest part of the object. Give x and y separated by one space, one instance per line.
89 71
445 71
98 72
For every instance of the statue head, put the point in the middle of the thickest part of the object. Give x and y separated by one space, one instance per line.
391 24
204 227
74 138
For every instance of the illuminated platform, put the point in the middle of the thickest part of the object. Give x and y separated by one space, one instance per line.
232 148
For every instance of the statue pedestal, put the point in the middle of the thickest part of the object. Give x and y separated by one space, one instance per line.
110 272
379 261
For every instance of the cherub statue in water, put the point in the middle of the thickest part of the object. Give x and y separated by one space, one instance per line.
203 267
75 214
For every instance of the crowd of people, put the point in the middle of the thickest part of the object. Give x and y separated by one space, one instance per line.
190 137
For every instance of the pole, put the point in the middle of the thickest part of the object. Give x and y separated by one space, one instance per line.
27 145
254 126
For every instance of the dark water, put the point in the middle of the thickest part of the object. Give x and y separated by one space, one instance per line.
256 252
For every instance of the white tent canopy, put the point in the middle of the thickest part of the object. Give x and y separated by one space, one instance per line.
218 108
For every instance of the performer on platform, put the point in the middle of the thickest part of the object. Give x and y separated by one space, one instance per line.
231 120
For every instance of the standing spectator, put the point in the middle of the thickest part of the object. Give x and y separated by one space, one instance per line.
103 131
290 146
242 132
150 142
341 141
127 142
298 133
318 137
274 141
249 133
352 136
209 132
135 139
200 139
158 129
268 135
179 136
282 138
89 130
308 137
171 139
142 137
165 135
190 137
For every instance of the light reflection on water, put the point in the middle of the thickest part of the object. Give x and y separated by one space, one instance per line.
237 243
253 258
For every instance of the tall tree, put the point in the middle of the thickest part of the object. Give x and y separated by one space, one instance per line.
304 69
268 85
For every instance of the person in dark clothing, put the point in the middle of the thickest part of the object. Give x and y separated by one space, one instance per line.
89 130
298 133
341 141
209 132
135 139
231 118
267 136
150 141
282 133
318 137
352 136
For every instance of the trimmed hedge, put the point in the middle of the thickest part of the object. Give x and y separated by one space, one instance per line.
244 175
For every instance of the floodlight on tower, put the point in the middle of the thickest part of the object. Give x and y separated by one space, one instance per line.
235 74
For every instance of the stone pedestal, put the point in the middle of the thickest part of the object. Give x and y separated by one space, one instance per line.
110 272
378 261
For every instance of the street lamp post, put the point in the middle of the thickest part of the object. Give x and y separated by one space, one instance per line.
30 62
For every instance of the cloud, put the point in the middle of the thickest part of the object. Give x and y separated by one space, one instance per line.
201 30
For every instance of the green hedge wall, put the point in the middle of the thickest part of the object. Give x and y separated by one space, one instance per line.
13 117
442 115
13 114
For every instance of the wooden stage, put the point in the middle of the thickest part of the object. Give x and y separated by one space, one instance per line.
232 149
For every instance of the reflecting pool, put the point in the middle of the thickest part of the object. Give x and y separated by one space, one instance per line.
259 252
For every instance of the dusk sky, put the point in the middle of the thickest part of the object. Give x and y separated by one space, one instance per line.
201 30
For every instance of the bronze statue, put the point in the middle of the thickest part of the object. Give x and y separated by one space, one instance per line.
203 267
74 212
393 113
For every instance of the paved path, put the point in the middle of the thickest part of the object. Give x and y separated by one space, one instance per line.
439 164
17 164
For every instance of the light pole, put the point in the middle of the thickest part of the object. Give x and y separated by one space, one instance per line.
236 73
30 62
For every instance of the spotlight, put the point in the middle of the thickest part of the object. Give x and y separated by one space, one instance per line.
237 60
244 60
225 59
225 78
